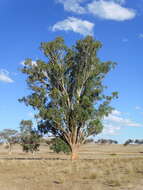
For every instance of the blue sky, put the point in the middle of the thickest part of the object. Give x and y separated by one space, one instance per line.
117 24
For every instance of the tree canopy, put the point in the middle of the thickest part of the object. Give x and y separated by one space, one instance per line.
10 137
67 90
29 137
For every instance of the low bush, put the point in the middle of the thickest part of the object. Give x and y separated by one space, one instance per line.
58 145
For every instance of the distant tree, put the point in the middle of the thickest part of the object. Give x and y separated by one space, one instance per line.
30 138
68 90
107 141
129 141
115 142
90 140
31 142
26 127
58 145
139 141
10 137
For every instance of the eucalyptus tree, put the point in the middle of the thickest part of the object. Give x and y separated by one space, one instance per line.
10 137
29 137
67 90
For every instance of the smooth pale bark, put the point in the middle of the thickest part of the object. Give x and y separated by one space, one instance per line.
74 152
33 153
10 148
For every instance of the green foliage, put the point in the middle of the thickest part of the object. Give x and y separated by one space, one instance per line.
31 142
30 138
26 126
68 91
10 137
58 145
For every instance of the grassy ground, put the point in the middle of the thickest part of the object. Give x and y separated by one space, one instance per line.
101 167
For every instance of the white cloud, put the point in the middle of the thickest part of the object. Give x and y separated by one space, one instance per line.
105 9
111 129
121 121
73 6
83 27
4 76
110 10
116 112
115 122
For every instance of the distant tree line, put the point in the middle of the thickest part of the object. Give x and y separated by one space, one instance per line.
132 141
106 141
101 141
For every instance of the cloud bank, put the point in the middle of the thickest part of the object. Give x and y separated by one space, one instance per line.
116 121
105 9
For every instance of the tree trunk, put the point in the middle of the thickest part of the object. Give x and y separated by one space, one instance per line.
10 149
33 153
74 153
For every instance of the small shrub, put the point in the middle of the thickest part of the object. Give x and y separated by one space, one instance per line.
113 154
113 182
93 176
6 146
58 145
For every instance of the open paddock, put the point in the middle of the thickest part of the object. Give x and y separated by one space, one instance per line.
100 167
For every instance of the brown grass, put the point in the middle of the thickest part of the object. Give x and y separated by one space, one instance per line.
104 168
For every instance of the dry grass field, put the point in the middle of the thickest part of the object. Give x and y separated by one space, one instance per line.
100 167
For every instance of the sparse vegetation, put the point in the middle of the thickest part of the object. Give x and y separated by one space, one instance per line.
104 172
